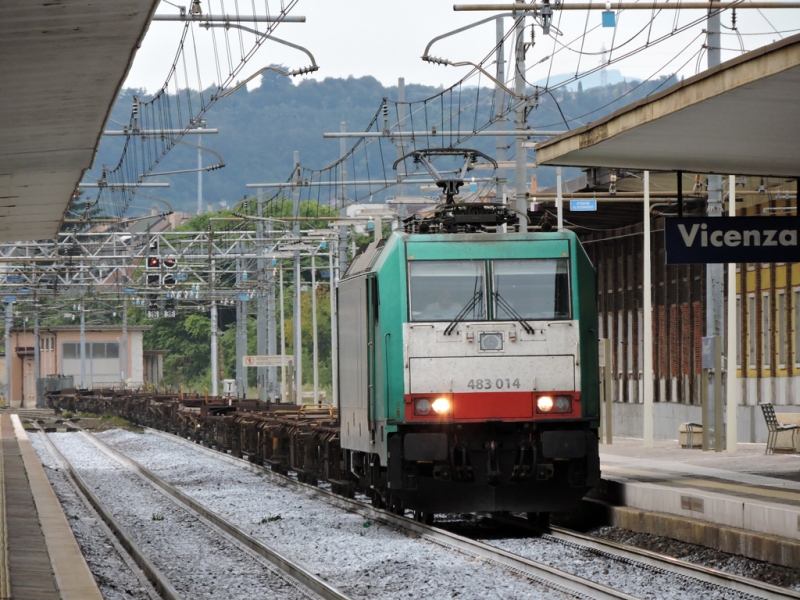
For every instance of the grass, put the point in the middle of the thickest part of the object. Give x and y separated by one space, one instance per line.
158 517
270 519
107 421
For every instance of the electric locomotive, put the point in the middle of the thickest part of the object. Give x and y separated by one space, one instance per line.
468 368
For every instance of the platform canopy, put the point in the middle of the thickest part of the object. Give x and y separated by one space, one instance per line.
62 64
740 118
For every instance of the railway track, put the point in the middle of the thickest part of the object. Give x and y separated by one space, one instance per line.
568 584
724 584
653 559
284 578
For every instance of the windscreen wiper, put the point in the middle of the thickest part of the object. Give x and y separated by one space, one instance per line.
476 297
502 303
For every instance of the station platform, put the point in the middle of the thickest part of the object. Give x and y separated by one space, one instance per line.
745 503
39 556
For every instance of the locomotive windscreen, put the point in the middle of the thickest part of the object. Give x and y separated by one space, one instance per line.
530 289
535 289
441 289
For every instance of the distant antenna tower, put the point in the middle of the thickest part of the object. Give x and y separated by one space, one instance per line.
603 74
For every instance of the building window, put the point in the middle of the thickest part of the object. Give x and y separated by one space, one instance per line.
103 350
782 328
640 346
739 331
630 342
797 326
751 314
94 350
765 329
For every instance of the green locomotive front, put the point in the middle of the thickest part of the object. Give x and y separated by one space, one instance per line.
469 372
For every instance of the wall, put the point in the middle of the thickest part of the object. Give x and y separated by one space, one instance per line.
667 416
98 372
137 366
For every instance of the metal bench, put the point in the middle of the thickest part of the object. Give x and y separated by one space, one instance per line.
774 428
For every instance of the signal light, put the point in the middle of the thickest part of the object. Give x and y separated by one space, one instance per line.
153 262
168 280
170 263
153 279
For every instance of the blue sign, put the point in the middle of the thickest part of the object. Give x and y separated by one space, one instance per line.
710 240
129 290
13 278
10 299
181 276
609 18
582 205
24 291
243 297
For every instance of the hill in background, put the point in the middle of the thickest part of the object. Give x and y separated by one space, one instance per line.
261 128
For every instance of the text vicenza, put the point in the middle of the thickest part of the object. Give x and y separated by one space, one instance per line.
753 237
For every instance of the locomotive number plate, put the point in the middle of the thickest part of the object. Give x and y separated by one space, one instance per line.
501 383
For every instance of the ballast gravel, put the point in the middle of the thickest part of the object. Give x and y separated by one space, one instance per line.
198 560
708 557
636 579
114 578
361 558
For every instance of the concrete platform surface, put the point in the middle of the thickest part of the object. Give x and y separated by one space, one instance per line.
44 559
747 490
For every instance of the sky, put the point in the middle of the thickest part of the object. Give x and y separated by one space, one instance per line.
386 40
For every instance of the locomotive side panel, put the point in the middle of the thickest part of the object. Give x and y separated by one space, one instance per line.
354 368
586 307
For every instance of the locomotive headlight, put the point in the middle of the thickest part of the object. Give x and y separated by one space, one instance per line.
441 406
544 403
422 406
563 404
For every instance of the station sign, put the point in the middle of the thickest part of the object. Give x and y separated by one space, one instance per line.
13 278
709 240
10 299
129 290
266 360
583 205
24 291
181 276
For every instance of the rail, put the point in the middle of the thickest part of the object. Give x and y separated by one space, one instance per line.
539 572
654 559
291 568
153 574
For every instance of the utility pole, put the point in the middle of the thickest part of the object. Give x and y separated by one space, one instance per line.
283 340
342 198
241 331
501 155
521 199
9 322
124 350
715 272
36 357
314 324
272 328
401 146
261 309
298 311
83 346
647 310
214 353
200 125
334 329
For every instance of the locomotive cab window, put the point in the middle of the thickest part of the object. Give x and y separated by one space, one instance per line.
441 290
536 289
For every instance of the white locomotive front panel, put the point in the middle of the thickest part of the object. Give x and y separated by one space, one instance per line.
492 369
